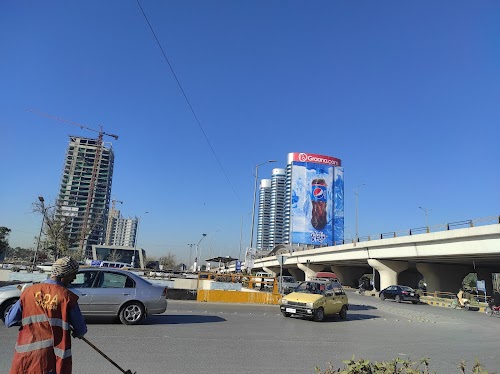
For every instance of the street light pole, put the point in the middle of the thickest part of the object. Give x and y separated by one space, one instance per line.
196 253
356 194
426 218
255 197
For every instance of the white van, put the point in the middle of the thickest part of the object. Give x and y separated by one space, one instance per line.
114 264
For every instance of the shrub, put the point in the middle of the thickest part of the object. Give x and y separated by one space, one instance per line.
398 365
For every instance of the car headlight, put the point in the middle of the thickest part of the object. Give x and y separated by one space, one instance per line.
284 301
309 305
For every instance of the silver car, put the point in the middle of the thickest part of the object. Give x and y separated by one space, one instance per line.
106 292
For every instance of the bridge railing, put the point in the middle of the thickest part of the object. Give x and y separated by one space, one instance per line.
423 230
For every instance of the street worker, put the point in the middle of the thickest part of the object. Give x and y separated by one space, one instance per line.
460 297
48 313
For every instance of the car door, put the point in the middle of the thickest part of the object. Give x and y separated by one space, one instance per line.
111 291
329 295
390 292
82 286
340 297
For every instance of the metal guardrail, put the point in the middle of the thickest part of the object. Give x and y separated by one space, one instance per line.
491 220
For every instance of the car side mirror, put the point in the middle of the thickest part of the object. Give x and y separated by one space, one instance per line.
328 293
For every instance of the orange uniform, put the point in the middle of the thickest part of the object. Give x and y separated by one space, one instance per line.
44 341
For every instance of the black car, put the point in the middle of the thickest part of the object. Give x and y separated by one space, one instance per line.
400 293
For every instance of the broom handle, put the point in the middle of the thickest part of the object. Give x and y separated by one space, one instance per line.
102 353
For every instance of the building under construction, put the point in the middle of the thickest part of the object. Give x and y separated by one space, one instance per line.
85 191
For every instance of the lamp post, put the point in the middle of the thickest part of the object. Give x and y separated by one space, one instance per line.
426 211
241 236
135 242
356 194
255 196
196 253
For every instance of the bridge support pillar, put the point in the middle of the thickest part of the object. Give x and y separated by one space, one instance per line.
310 270
268 270
349 275
388 271
441 277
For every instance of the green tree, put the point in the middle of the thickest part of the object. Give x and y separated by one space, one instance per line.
4 241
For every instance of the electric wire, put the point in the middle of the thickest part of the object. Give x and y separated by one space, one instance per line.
188 102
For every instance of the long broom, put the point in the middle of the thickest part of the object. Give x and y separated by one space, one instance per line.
107 358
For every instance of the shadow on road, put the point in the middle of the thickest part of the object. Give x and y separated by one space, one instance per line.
179 319
162 319
361 307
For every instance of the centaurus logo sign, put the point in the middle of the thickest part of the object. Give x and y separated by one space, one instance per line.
303 157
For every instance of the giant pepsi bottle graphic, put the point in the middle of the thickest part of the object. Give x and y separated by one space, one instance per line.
318 199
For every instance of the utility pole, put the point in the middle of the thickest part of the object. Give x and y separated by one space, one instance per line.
356 194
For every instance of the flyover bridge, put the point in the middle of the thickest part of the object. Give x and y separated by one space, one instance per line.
442 258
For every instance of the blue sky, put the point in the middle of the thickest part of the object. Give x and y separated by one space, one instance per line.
405 93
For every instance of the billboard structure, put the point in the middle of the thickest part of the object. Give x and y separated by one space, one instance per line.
317 199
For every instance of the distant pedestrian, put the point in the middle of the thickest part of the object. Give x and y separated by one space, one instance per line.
48 312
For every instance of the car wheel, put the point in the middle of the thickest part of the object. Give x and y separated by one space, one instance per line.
343 312
286 314
397 298
4 310
415 302
319 315
382 297
488 311
131 313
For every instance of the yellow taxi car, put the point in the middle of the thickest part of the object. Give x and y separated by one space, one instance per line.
316 299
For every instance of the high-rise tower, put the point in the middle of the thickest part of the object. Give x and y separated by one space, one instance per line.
85 191
263 242
277 207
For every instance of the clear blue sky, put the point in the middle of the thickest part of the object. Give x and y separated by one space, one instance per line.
407 94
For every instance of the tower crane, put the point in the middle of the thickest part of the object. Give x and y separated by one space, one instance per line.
95 168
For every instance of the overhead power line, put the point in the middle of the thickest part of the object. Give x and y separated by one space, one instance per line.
188 102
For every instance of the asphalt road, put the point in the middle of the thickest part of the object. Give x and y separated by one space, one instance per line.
221 338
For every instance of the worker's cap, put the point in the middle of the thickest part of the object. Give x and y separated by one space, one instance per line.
64 267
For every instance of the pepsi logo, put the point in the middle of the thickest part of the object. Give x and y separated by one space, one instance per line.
318 192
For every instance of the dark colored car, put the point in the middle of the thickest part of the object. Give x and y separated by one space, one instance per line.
400 293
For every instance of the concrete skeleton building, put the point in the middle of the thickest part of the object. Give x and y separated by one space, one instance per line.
85 208
121 231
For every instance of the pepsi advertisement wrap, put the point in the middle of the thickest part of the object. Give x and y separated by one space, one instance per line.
317 199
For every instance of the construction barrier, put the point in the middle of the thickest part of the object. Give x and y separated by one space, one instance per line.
248 293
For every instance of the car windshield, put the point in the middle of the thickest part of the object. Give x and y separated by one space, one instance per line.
288 279
311 287
407 289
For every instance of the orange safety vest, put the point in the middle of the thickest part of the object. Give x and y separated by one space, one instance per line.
44 341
